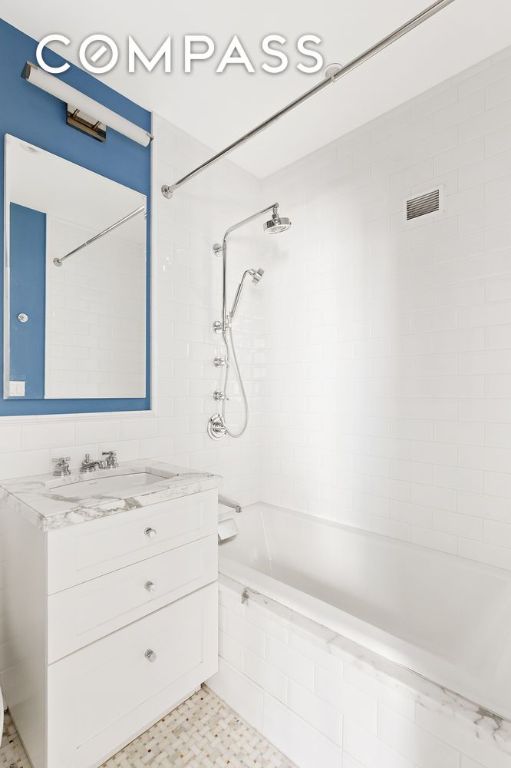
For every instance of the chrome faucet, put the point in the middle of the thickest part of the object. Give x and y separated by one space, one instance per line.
91 465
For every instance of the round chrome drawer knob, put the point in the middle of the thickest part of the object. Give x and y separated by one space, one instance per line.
150 655
150 533
150 586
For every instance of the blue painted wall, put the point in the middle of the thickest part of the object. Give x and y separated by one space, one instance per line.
28 295
34 116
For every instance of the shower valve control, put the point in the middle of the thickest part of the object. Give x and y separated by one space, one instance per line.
217 326
217 395
218 362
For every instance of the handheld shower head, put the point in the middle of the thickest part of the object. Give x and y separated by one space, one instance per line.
256 275
276 224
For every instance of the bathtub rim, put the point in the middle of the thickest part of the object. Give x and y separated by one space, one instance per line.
484 723
314 610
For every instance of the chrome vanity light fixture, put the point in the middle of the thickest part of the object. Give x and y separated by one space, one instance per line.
217 424
85 113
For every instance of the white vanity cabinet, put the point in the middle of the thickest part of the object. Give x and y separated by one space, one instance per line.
110 623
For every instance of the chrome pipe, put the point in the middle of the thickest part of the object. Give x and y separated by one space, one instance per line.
60 260
169 189
273 207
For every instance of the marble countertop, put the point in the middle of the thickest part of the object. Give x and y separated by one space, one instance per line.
49 502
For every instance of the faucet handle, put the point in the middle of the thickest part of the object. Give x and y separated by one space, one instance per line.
111 459
61 466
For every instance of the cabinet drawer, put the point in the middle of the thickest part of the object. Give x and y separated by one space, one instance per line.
101 697
81 552
89 611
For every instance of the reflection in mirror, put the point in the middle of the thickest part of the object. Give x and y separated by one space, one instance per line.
75 317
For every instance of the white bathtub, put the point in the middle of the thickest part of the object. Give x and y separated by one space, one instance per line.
444 617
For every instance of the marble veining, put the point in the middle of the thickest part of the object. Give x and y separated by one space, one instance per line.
40 499
427 693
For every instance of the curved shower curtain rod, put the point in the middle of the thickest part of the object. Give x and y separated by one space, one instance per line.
332 74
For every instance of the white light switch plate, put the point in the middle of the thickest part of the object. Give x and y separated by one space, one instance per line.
17 389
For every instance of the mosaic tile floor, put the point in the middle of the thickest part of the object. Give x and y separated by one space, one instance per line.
201 733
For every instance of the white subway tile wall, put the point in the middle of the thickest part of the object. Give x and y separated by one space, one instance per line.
328 710
388 394
95 333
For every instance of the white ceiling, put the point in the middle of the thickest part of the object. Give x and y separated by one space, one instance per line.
216 109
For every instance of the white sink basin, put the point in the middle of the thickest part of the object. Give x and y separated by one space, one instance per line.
117 485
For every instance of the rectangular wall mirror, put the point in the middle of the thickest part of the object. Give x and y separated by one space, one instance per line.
74 313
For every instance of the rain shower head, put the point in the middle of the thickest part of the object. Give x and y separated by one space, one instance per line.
276 224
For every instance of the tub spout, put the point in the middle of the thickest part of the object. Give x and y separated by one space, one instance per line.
227 502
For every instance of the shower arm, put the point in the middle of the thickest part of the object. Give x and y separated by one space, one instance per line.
225 315
273 207
332 75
